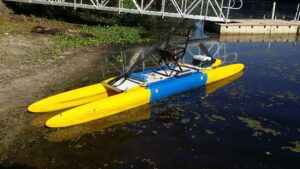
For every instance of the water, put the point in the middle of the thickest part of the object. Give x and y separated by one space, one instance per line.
250 120
263 9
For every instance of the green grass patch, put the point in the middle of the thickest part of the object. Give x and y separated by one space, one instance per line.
118 35
70 38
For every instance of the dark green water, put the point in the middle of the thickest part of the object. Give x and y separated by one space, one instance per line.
248 121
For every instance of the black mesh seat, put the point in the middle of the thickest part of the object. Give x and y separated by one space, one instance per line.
170 55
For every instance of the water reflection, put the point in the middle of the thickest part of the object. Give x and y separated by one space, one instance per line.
133 115
224 125
120 63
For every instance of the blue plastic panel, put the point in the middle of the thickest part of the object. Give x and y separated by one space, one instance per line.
139 77
176 85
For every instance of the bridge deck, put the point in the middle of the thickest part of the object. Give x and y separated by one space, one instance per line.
211 10
256 26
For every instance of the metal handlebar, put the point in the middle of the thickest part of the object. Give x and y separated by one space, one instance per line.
233 4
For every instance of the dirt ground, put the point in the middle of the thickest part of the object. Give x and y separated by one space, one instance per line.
25 76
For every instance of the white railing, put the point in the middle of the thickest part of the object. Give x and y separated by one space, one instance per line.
212 10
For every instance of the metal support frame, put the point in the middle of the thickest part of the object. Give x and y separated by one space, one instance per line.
218 50
192 9
170 55
273 10
297 16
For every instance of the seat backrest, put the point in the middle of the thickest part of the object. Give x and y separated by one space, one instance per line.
178 33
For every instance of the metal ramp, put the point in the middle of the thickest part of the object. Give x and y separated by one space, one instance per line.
211 10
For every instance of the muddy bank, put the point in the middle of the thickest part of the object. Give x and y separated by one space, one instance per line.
39 81
2 6
29 71
3 9
36 64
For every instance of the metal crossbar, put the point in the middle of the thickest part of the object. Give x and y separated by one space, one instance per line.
191 9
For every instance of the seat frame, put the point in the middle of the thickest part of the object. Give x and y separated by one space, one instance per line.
169 59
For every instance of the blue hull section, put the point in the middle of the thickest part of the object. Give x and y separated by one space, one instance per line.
176 85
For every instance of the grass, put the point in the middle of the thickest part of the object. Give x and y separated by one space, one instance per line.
117 35
109 35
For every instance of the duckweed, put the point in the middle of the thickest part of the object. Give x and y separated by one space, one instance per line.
210 118
209 132
296 147
103 35
257 127
217 117
197 116
214 118
185 121
154 132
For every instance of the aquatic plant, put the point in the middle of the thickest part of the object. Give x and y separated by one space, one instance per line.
214 118
197 116
296 147
217 117
209 132
185 121
257 127
120 35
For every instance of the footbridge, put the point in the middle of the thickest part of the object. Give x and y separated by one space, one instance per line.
210 10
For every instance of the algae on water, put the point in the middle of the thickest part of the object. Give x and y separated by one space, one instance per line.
257 127
216 117
185 121
296 147
197 116
210 118
209 132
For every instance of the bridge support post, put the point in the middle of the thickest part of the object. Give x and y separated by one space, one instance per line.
273 11
297 16
228 9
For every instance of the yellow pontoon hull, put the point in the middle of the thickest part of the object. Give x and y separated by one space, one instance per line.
139 96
